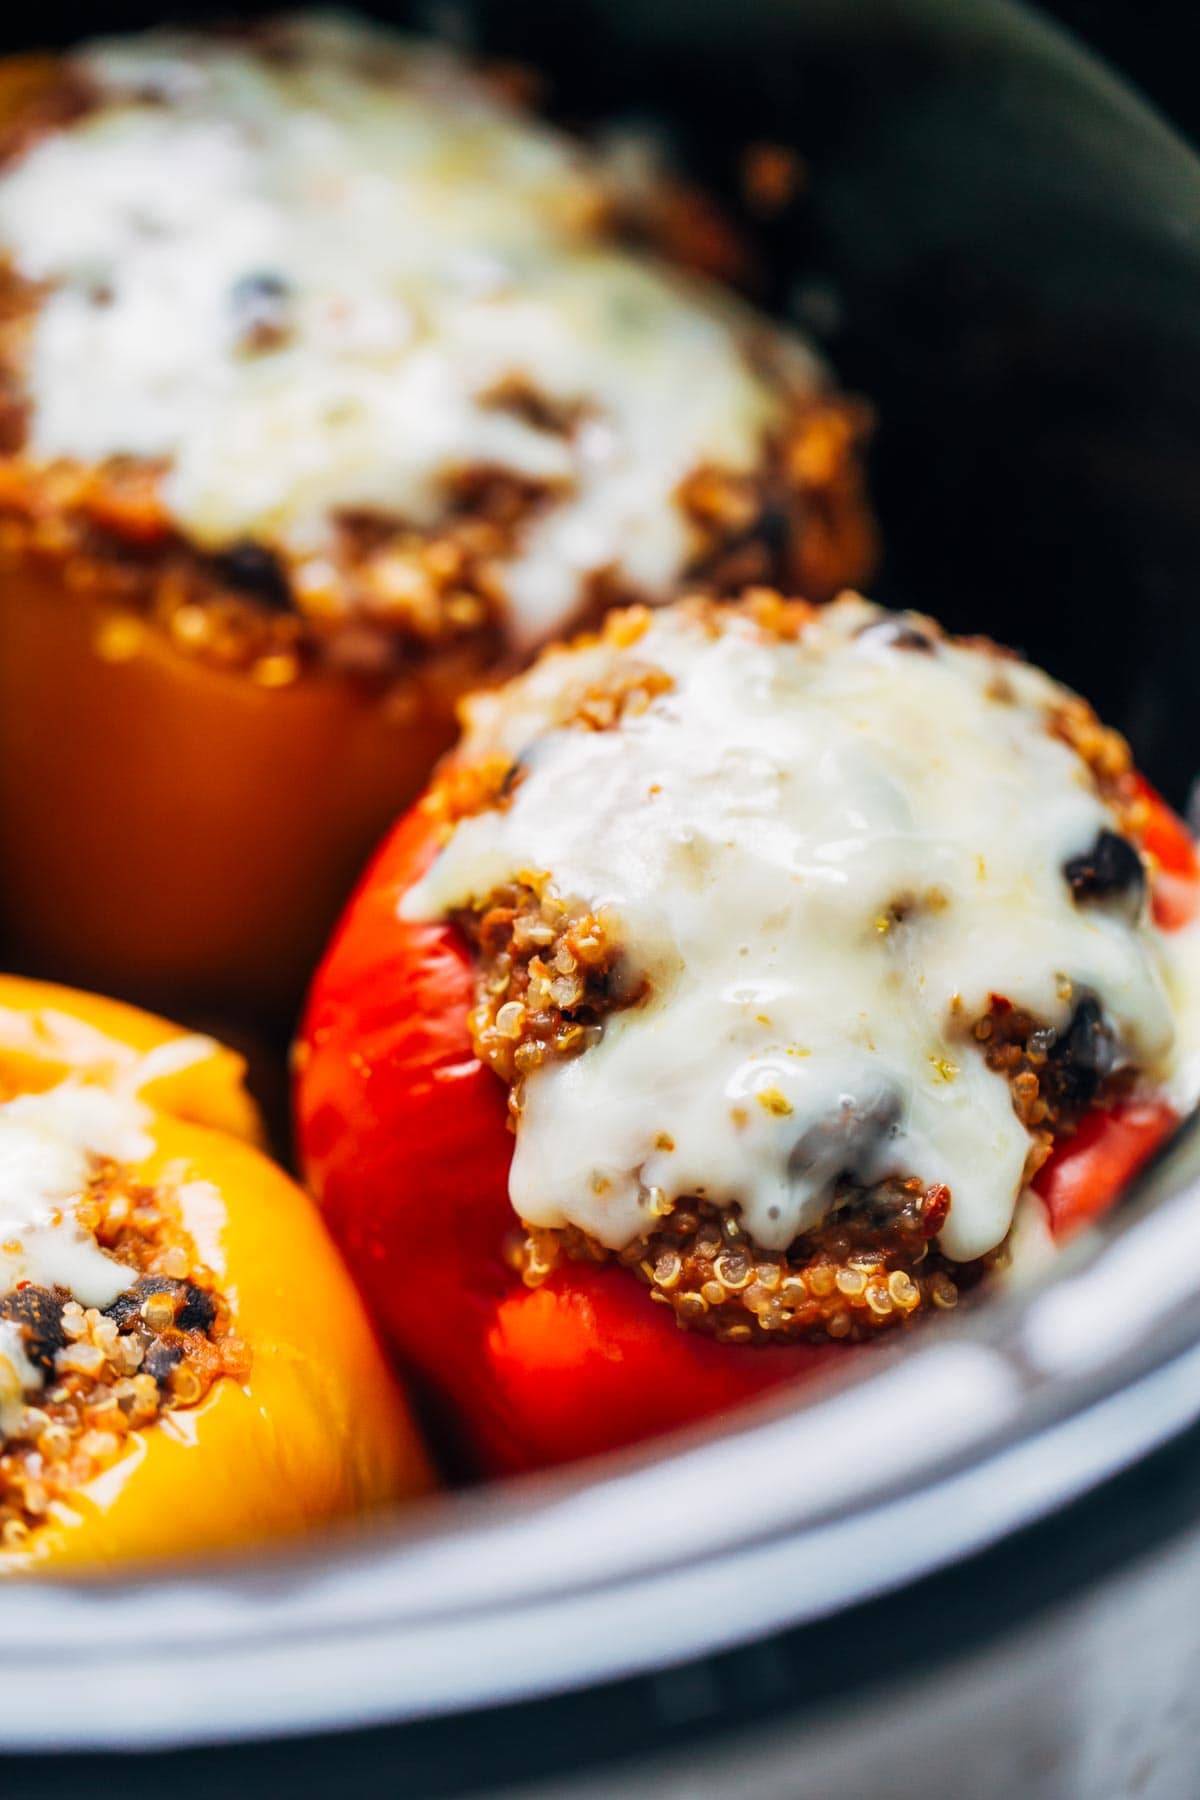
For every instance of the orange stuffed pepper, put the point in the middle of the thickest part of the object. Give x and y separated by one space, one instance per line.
328 385
184 1363
752 984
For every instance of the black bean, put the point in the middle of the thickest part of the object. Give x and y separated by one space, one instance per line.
256 571
879 1208
774 529
1082 1057
128 1305
163 1355
261 285
1111 870
39 1311
843 1144
198 1311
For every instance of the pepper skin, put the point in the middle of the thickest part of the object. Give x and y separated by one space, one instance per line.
1175 890
220 823
403 1135
1089 1170
317 1432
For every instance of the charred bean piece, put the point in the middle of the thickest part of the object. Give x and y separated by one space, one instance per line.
162 1357
255 572
773 529
39 1311
198 1311
1111 870
844 1144
1083 1057
127 1306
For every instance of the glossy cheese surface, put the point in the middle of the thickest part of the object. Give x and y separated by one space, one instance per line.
824 859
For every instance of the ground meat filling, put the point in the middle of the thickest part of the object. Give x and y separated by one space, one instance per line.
161 1345
1112 870
549 973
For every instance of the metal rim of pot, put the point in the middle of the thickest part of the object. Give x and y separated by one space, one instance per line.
896 1470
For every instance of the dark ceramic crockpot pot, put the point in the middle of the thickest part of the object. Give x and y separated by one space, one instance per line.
976 1569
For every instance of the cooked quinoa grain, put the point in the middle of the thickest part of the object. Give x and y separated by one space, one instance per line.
106 1373
549 974
871 1267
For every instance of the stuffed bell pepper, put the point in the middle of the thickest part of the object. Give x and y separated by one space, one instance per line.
184 1363
753 983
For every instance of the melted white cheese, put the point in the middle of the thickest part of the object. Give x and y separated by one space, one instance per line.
433 243
749 835
47 1142
95 1054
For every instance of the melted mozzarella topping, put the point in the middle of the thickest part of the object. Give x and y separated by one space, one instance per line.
47 1143
827 856
18 1376
424 243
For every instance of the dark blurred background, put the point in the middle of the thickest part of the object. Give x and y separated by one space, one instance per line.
1149 42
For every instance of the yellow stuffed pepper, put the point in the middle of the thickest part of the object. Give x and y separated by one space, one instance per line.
329 385
184 1364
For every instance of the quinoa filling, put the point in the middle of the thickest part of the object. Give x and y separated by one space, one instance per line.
372 586
104 1374
547 976
383 594
549 971
871 1265
874 1262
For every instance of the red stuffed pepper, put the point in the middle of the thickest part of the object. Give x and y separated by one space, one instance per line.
753 982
